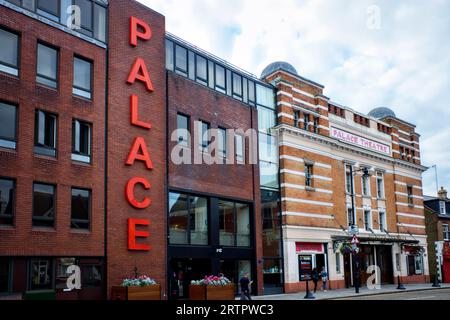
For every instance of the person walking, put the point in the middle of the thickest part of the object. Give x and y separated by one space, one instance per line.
245 287
324 276
315 278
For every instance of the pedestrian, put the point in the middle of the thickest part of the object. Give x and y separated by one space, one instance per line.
315 278
324 276
245 287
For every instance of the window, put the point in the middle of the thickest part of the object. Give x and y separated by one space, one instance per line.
49 6
86 15
44 205
446 232
7 201
8 125
338 262
237 86
316 125
234 224
415 264
383 225
239 146
100 22
309 175
201 70
81 209
183 130
222 142
365 179
348 179
170 63
204 136
265 96
297 119
266 119
81 141
306 121
220 79
350 217
442 208
181 60
82 78
5 275
9 52
380 185
41 274
47 66
367 219
251 92
410 195
45 133
188 220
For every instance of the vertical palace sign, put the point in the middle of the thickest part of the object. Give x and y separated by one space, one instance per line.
139 31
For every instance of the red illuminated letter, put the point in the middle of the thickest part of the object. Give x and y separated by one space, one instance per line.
139 72
129 193
134 108
135 33
133 234
144 155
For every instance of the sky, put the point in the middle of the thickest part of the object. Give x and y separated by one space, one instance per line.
367 54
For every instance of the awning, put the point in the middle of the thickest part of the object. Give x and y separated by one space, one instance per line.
382 238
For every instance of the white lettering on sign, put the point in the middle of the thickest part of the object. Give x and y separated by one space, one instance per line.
360 141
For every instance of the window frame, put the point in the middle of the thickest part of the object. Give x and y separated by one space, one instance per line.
216 86
442 207
205 148
309 175
188 122
57 15
306 118
235 219
33 217
237 95
446 234
240 159
89 221
44 149
382 220
56 80
365 186
380 191
222 153
348 183
7 65
177 69
78 91
368 223
83 28
16 129
76 155
197 77
13 213
410 195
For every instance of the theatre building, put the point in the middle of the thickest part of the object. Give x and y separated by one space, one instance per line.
126 151
346 173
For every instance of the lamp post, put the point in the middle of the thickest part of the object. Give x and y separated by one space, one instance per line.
355 252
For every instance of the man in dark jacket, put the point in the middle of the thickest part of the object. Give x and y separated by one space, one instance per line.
245 287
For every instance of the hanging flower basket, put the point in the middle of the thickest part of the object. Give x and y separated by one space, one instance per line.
348 248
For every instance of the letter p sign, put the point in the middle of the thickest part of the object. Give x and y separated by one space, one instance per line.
144 32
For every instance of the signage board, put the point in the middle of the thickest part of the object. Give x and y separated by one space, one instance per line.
359 141
305 267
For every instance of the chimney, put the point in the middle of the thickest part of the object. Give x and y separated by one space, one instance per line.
442 194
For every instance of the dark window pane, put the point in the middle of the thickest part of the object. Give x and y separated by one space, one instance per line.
82 75
50 6
81 207
4 275
191 65
7 198
43 205
204 137
7 125
222 142
202 69
181 59
227 224
86 13
251 91
178 218
242 225
183 127
220 77
41 274
45 136
81 144
198 220
91 276
9 52
237 85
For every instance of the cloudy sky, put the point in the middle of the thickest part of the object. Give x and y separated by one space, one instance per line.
366 53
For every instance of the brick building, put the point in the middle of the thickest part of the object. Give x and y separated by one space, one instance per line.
125 150
342 170
437 220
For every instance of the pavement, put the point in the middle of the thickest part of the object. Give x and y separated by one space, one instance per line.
366 294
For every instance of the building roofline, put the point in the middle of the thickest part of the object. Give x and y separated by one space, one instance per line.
303 79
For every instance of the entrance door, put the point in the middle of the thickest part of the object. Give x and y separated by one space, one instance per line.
384 261
446 270
348 270
183 272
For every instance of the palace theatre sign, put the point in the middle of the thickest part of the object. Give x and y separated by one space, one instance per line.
139 31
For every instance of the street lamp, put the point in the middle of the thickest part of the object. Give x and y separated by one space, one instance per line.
355 251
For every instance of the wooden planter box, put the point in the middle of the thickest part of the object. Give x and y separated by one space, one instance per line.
136 293
212 292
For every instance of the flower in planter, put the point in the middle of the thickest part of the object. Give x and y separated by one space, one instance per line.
142 281
212 281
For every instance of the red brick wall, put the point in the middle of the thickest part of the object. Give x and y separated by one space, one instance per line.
232 181
121 134
26 167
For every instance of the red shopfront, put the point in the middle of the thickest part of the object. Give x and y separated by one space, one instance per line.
314 252
446 263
